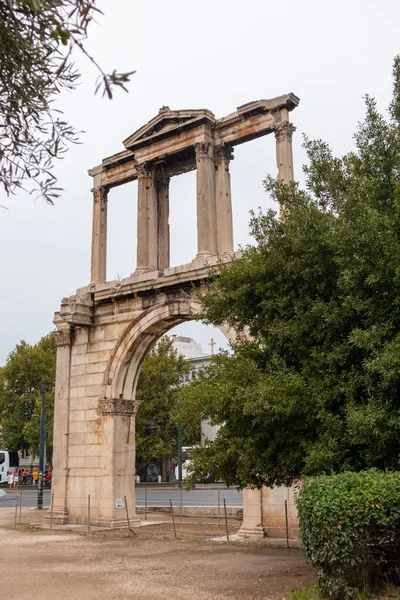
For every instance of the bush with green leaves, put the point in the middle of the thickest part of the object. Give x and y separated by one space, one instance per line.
350 530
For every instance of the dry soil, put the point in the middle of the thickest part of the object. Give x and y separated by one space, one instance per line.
68 566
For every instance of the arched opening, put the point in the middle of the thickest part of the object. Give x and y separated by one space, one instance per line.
121 376
175 361
137 341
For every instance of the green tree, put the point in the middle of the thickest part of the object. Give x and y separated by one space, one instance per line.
162 374
317 389
28 367
37 43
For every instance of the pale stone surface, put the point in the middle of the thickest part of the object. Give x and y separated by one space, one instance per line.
106 329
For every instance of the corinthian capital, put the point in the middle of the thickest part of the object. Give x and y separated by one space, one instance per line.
143 169
202 149
284 131
224 153
117 406
100 193
62 338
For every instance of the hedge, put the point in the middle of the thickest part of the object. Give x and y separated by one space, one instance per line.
350 531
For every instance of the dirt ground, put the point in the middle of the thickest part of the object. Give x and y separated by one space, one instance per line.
151 566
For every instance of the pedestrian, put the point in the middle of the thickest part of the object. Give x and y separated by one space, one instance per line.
24 477
35 476
10 480
16 480
30 478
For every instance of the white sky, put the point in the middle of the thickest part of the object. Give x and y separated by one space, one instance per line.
188 54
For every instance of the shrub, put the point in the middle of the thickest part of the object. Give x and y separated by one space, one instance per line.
350 530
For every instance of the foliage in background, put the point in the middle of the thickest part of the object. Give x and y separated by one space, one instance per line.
350 531
37 40
162 374
317 390
28 367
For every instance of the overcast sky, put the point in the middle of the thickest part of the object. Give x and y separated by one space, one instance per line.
188 54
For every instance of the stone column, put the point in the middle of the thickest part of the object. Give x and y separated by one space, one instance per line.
147 231
118 460
223 200
163 251
63 341
284 154
206 210
252 525
99 235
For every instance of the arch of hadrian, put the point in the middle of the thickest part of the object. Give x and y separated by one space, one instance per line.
106 329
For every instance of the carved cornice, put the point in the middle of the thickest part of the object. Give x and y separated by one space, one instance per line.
224 153
63 338
77 310
117 406
284 131
100 193
202 149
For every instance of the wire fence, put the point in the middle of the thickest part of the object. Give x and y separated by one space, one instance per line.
210 513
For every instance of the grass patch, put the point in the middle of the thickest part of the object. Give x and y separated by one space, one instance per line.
312 593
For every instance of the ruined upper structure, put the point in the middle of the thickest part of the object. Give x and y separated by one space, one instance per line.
175 142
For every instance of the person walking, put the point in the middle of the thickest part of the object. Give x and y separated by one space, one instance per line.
10 480
30 478
24 477
35 476
16 480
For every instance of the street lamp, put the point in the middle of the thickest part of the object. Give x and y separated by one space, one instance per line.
42 450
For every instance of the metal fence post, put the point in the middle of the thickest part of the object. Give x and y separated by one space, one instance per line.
51 511
16 509
127 518
172 515
88 509
145 503
226 522
287 525
20 508
181 503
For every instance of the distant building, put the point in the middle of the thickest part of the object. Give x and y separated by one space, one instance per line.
193 353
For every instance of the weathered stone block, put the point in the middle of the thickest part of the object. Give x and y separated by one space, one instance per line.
76 415
78 370
76 439
78 392
77 427
93 379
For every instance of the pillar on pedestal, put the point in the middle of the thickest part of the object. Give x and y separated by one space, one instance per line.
147 229
206 210
99 235
223 156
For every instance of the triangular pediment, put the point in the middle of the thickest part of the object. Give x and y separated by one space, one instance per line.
167 123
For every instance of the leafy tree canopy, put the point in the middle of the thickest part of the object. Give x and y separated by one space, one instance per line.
28 367
317 389
37 41
162 374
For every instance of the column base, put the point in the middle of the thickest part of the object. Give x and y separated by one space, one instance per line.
116 523
253 532
59 517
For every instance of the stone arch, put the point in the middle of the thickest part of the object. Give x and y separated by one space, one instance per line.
122 373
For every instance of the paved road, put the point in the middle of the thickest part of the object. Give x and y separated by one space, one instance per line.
156 496
202 496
